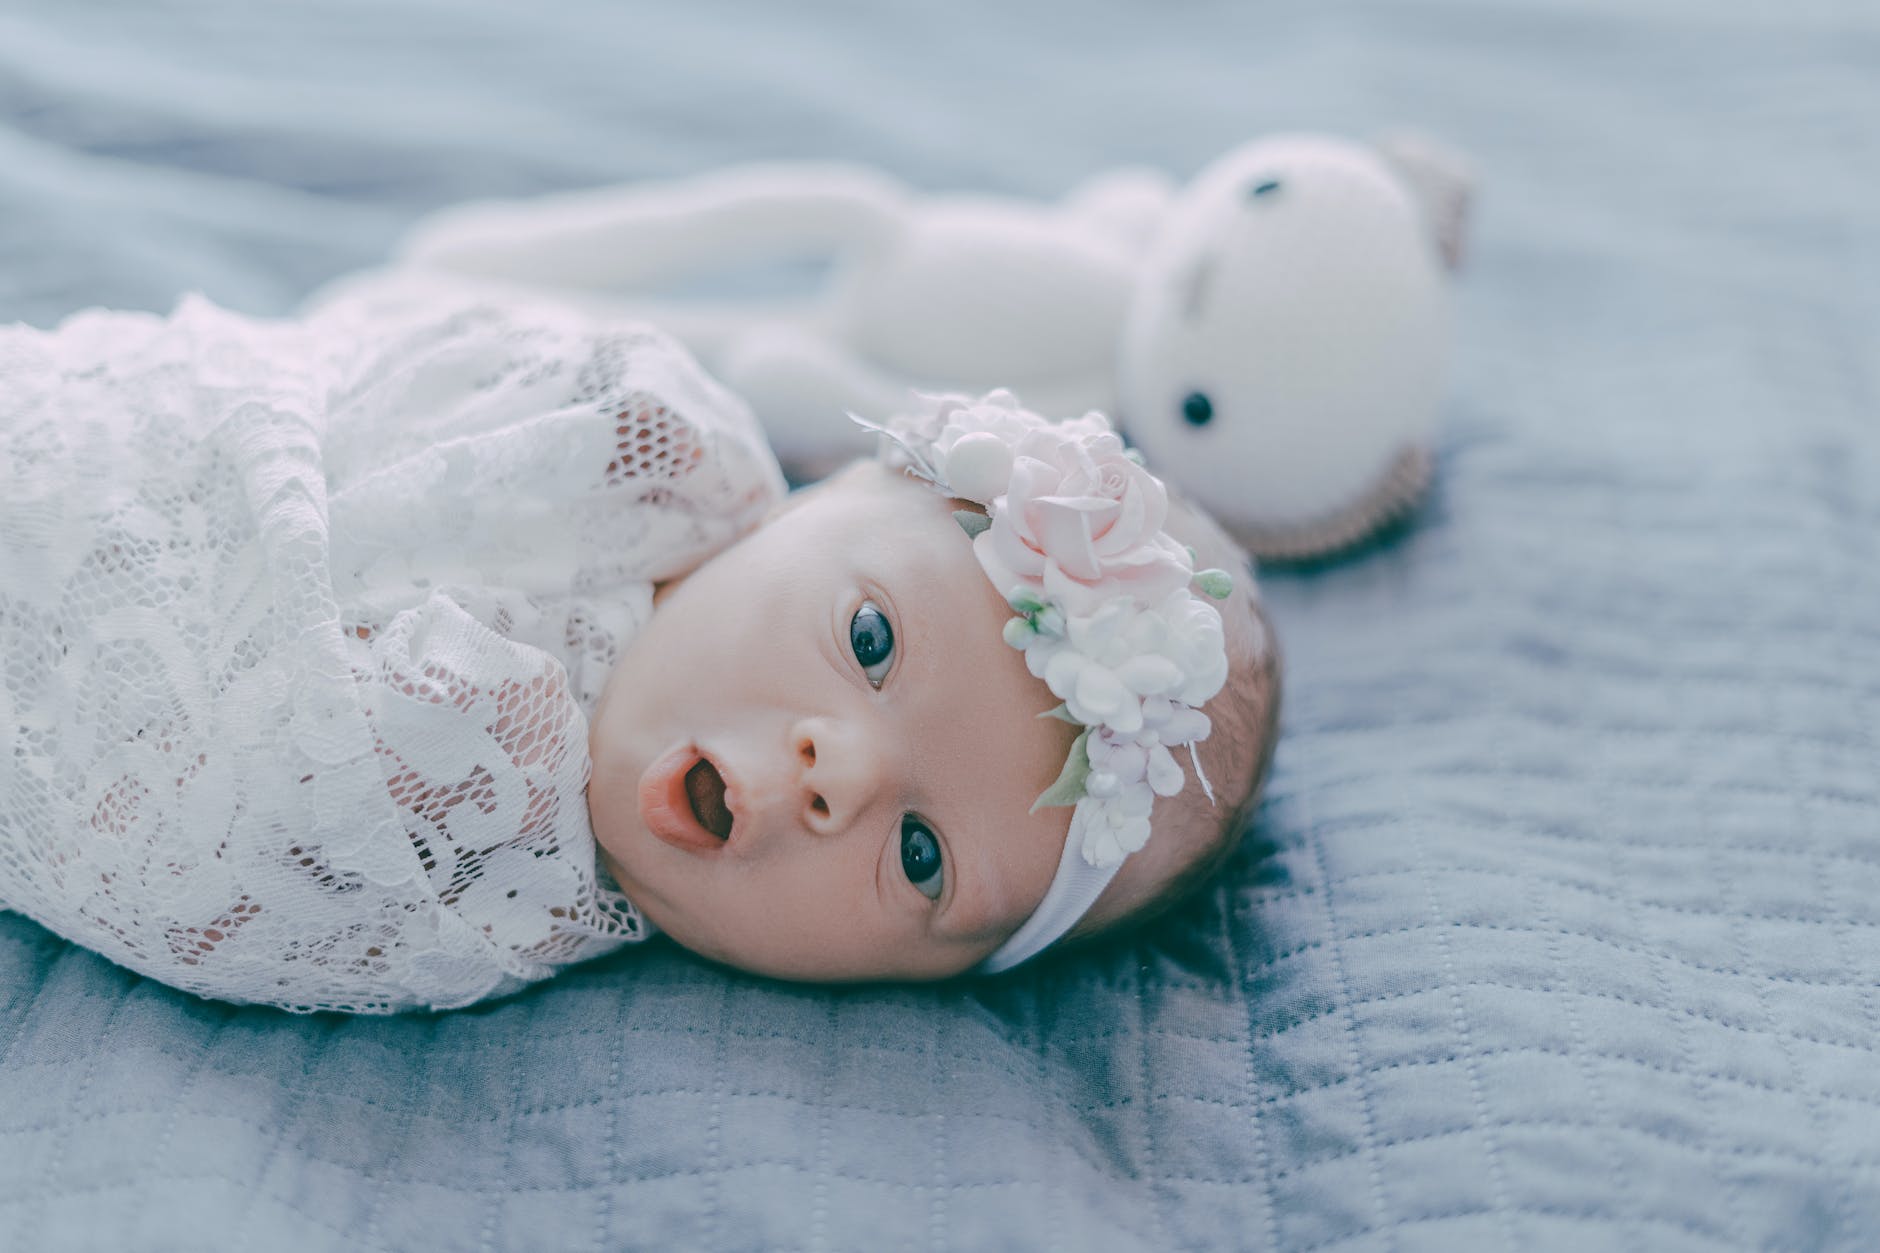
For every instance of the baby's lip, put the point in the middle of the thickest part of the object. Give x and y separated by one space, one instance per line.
666 809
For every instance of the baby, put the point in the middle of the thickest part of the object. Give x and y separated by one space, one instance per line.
399 657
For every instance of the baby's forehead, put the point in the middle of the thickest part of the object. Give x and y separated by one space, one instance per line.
869 479
869 501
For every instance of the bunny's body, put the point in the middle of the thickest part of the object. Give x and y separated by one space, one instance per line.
1274 334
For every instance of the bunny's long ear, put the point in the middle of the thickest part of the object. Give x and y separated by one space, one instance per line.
1442 181
633 237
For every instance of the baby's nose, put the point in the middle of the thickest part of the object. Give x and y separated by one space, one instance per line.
839 770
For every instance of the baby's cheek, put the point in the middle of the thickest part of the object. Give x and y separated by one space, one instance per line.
611 788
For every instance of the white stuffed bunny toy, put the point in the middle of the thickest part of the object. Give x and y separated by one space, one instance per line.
1274 336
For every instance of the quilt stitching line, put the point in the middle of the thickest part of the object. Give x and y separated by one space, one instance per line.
1568 933
1545 934
1586 886
296 1099
28 1236
25 1022
1863 989
306 1215
1588 1214
1679 1011
1788 1156
1498 1184
1372 1149
604 1201
1277 1098
1263 1155
1543 1050
1706 1093
535 1111
1582 1051
819 1195
1536 831
497 1196
714 1126
1156 1186
205 1048
1546 719
1863 805
1809 1092
1538 826
755 1164
937 1193
405 1118
1057 1195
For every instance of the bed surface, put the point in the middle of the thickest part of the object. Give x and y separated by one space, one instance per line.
1560 926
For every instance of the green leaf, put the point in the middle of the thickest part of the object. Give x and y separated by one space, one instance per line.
1069 788
970 522
1063 714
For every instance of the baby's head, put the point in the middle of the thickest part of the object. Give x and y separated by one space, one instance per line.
819 759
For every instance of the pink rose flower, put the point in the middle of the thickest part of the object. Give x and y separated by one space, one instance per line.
1080 522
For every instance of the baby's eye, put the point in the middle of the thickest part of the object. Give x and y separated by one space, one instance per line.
872 639
920 858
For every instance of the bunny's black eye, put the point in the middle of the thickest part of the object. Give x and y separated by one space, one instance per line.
1197 408
1264 187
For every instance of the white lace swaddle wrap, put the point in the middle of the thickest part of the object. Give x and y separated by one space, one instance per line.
299 626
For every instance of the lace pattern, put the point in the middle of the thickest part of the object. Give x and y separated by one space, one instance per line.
299 626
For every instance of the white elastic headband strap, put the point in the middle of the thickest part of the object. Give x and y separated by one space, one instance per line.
1075 889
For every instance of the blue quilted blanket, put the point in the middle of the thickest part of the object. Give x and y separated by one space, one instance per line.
1560 926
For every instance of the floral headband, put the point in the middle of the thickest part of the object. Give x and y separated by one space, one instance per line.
1072 538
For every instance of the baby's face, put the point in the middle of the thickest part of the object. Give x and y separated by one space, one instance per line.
870 747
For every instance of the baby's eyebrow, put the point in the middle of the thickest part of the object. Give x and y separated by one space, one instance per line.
906 583
972 918
979 909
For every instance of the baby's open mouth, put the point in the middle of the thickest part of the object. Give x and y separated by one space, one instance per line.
705 789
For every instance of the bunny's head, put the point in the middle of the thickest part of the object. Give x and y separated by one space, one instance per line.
1286 352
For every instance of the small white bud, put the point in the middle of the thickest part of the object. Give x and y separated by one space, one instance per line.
979 467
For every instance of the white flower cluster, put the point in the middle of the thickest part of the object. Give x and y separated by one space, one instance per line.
1112 667
1135 676
1073 540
